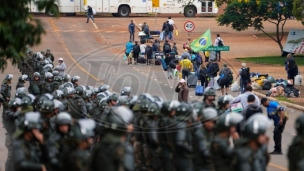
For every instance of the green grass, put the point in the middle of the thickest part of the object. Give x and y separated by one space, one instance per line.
272 60
285 99
262 35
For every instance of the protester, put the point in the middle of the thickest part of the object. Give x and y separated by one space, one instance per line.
174 48
206 54
166 47
149 53
90 14
165 30
182 91
224 80
218 42
171 28
128 50
213 69
277 113
251 109
244 73
243 98
169 59
136 51
142 48
203 75
60 67
131 30
292 69
186 66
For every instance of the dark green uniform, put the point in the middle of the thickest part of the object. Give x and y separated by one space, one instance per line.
77 108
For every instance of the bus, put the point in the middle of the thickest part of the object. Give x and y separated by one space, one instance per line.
123 8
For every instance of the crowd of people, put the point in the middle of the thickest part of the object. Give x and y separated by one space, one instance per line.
75 127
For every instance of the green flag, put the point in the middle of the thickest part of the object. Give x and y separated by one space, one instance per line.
202 43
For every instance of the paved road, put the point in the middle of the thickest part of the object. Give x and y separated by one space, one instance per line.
95 51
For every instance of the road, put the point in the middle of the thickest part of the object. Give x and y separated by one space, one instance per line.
94 51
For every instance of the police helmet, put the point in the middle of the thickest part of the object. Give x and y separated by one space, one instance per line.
154 109
103 88
69 84
9 77
133 100
209 114
83 129
32 120
184 111
126 91
63 118
88 94
43 98
122 100
173 105
144 104
164 110
256 126
58 94
21 92
23 78
90 88
48 75
67 91
75 78
95 91
197 111
58 78
103 103
27 100
226 121
45 62
118 119
58 104
55 73
37 74
79 91
210 92
158 99
66 78
14 103
47 106
113 97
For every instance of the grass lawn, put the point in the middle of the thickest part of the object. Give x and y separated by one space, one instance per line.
285 99
272 60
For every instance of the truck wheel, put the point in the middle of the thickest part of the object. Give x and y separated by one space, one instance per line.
124 11
190 11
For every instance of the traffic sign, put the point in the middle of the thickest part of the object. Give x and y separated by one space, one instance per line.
218 48
189 26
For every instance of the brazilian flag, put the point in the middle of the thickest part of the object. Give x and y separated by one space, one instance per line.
202 43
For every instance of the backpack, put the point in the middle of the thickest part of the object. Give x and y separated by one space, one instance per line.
167 47
148 50
225 74
245 74
266 85
199 59
147 31
213 68
171 28
220 42
136 49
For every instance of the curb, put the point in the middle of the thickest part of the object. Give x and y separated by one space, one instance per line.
294 106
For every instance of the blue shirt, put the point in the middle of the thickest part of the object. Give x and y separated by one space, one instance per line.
129 47
131 28
273 113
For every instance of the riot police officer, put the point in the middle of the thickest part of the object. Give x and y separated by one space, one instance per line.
76 105
26 139
223 105
126 91
47 112
209 98
57 144
112 100
250 151
87 99
221 153
295 150
57 81
49 55
36 87
48 83
122 101
75 80
203 134
111 153
26 106
21 81
66 78
6 90
82 134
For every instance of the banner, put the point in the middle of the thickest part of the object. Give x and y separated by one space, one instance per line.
295 42
202 43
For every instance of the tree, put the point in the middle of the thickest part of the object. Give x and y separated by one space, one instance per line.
298 10
242 15
18 28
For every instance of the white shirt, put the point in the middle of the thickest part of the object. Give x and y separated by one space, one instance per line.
61 68
143 48
171 22
217 41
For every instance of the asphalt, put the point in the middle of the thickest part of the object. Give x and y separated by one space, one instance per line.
94 51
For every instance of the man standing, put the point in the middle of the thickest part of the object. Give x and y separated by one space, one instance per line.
136 51
245 77
186 66
291 68
243 98
171 28
277 113
132 30
49 55
182 91
128 50
213 68
90 14
218 42
166 47
60 67
225 78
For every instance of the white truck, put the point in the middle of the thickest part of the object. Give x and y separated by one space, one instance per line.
123 8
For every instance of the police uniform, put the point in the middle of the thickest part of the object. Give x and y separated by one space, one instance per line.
76 105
